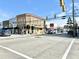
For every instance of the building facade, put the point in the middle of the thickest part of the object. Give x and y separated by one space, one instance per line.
28 23
11 25
6 24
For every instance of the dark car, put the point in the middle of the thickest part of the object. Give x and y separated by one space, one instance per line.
4 32
49 31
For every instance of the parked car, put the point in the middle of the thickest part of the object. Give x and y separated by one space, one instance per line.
4 32
49 31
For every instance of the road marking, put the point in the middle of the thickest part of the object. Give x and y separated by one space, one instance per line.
18 53
68 49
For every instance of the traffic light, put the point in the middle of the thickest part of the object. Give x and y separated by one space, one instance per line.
63 8
62 4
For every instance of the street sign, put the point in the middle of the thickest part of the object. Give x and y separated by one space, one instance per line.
63 17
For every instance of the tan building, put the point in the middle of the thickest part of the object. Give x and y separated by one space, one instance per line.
29 23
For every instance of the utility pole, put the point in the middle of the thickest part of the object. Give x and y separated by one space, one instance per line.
45 28
73 18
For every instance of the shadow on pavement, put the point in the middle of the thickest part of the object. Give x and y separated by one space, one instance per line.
59 35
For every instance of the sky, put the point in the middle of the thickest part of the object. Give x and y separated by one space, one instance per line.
11 8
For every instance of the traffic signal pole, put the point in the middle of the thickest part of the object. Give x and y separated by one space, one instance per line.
62 4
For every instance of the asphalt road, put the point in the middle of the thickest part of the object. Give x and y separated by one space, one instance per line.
38 47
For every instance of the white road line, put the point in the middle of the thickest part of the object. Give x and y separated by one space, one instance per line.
68 49
18 53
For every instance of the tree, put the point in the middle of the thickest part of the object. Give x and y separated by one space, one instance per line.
69 23
70 27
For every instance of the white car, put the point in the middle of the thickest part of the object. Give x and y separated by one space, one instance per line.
4 32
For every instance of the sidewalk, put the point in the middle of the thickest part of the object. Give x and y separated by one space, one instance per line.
14 36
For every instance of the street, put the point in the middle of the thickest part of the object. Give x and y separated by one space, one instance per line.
38 47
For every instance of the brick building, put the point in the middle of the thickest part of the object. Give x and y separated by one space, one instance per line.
28 23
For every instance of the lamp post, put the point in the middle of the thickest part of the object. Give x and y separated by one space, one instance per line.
45 28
